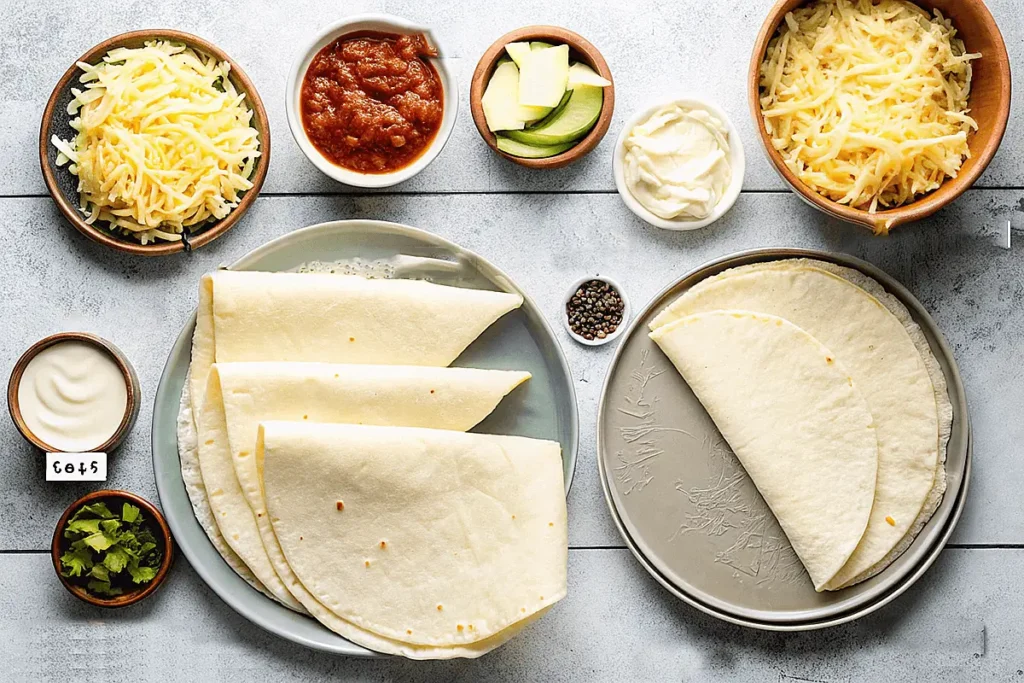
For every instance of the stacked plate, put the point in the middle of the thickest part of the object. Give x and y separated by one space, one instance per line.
691 515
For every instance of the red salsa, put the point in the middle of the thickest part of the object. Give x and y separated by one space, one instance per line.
372 102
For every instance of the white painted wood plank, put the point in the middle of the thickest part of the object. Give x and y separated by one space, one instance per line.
960 623
654 49
52 279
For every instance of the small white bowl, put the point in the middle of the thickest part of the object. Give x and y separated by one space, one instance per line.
736 158
385 23
625 310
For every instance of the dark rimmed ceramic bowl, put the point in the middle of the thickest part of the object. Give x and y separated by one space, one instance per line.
131 380
161 531
63 185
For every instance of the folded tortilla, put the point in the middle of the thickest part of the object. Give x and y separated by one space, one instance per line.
792 415
257 316
240 395
428 537
227 502
886 367
192 478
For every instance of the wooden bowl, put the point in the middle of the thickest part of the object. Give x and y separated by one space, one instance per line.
162 532
580 49
989 104
62 184
130 378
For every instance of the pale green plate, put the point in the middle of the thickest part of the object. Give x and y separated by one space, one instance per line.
545 407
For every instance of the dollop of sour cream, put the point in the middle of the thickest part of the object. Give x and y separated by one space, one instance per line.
677 162
73 396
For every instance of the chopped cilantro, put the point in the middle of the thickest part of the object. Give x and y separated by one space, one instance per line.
104 588
85 526
141 574
100 572
116 559
129 513
76 562
99 541
109 554
97 510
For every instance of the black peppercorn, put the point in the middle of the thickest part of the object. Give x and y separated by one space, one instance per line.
595 310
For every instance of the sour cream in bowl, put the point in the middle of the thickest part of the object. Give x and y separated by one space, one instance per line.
679 164
73 392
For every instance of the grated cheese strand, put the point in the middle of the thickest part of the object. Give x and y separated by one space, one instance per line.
867 100
164 141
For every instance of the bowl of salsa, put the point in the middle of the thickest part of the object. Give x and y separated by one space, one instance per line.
370 102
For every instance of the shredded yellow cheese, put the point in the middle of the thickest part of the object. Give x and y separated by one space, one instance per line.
866 100
165 143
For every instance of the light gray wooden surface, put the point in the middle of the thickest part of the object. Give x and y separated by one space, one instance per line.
962 622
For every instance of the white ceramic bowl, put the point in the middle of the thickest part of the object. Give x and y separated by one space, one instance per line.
368 22
625 310
736 158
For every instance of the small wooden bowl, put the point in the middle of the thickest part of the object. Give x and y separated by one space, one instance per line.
130 378
162 532
580 49
63 185
989 104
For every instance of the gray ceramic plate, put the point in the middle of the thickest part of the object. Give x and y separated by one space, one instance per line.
692 516
545 407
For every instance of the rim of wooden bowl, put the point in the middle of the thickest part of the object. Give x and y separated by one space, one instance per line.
578 44
994 127
131 380
126 599
260 122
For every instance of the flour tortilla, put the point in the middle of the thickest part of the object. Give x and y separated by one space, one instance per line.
944 406
794 419
387 646
473 523
188 450
188 455
257 316
890 362
442 398
227 502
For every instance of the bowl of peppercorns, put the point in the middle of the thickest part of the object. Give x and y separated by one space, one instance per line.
596 310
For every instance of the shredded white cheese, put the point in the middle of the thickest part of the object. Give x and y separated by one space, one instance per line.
165 142
866 100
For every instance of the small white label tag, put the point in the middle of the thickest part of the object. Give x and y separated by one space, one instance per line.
76 467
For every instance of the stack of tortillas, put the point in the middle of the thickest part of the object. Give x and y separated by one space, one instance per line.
323 446
829 395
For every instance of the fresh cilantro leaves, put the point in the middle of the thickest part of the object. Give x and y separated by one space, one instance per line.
110 553
129 513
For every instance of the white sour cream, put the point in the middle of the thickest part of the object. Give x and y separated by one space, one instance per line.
73 396
677 162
